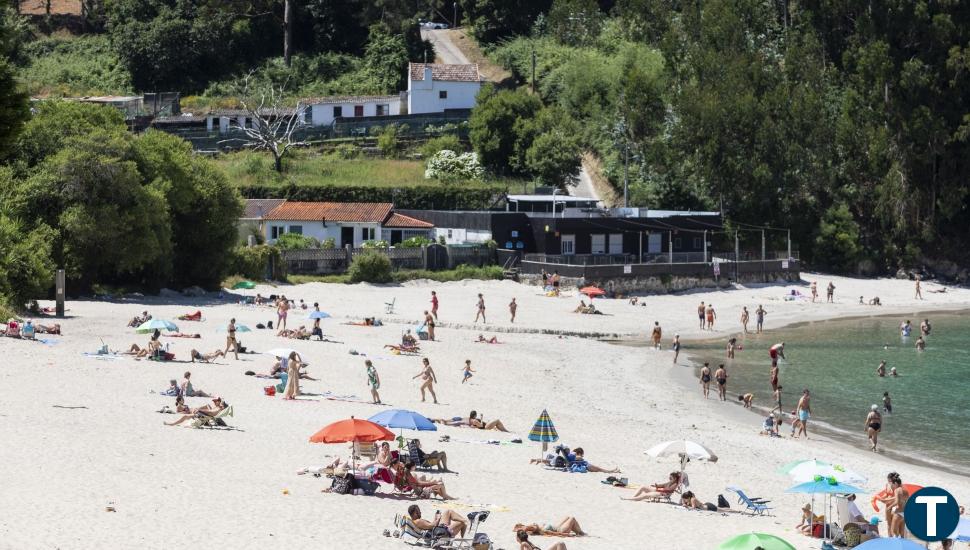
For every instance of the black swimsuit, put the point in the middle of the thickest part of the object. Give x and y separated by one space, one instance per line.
705 378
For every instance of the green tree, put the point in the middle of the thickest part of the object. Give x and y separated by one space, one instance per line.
26 268
492 126
13 109
494 20
837 243
56 122
386 57
548 147
575 22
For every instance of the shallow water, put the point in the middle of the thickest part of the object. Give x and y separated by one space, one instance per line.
837 360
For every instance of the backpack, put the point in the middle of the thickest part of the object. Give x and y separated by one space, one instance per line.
722 502
343 485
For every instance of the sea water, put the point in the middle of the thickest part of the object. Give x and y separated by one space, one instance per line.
837 360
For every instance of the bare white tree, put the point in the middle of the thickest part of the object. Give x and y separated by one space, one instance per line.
274 126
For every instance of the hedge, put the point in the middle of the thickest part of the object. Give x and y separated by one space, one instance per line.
251 261
420 197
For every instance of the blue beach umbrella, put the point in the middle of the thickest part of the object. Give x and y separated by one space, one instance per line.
318 315
824 486
544 431
160 324
889 544
405 420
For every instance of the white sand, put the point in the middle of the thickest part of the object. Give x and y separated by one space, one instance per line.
175 487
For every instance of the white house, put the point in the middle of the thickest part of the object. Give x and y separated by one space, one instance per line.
347 223
321 111
433 87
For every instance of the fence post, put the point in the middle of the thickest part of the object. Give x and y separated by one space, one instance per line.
764 273
350 254
670 247
424 256
705 247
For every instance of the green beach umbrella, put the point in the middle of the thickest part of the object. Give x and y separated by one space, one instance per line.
752 541
249 285
787 468
543 431
160 324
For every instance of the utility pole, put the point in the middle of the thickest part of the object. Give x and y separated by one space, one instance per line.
705 246
737 255
454 20
789 244
533 85
764 274
626 173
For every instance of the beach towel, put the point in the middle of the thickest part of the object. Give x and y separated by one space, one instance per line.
102 356
452 505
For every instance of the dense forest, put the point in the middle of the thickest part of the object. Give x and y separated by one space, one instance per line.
846 121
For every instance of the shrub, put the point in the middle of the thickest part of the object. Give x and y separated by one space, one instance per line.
415 242
374 244
450 167
347 151
252 261
438 144
26 267
328 243
370 267
295 241
388 142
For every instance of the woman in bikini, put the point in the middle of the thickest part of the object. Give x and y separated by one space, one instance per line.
427 374
744 318
657 490
231 339
211 410
873 426
721 376
282 307
429 322
568 527
706 380
523 537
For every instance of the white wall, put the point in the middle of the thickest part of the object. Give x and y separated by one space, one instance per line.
423 98
320 232
322 113
462 236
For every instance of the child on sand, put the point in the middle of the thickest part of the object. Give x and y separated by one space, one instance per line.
747 399
467 369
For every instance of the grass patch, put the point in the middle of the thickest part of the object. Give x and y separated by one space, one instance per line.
66 65
460 273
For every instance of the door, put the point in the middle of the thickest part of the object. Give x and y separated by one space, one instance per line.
358 110
395 236
597 243
654 242
616 243
568 244
346 236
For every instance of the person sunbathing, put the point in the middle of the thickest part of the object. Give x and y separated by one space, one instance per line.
578 457
139 351
483 340
184 335
406 482
472 422
211 410
449 523
582 307
49 329
524 544
568 527
440 455
689 500
208 357
188 390
657 491
136 320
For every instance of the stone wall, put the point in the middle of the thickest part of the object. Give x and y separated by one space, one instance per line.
662 284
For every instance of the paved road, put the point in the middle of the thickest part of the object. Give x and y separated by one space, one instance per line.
584 186
444 49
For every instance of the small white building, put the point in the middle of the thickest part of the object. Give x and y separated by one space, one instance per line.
434 88
347 223
322 111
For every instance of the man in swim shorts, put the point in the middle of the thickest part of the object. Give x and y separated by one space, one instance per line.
804 412
776 351
701 309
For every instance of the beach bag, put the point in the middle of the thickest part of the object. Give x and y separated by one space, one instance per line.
578 468
559 462
369 487
438 532
343 485
481 542
260 325
722 502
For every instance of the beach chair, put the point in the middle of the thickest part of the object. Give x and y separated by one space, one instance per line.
389 306
472 540
407 531
754 505
415 456
213 422
366 451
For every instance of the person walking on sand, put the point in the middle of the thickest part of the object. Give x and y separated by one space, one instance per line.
919 290
759 316
467 369
804 412
830 293
428 379
887 403
512 307
721 376
873 426
881 369
706 380
429 324
231 339
814 289
744 318
656 335
675 345
774 377
701 310
481 309
710 317
434 305
776 351
292 376
373 381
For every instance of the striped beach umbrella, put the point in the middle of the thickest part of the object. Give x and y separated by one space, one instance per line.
543 431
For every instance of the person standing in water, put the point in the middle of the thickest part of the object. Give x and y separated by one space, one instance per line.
873 426
656 335
721 376
776 351
920 344
804 412
481 309
706 380
777 397
428 379
675 345
759 315
373 381
881 369
774 377
905 329
731 345
830 293
919 291
924 327
701 310
887 403
512 307
710 317
744 318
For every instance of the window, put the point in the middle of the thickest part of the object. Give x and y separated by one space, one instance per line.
367 233
274 232
568 244
616 243
383 110
697 243
298 229
449 233
443 94
338 111
358 110
598 244
677 243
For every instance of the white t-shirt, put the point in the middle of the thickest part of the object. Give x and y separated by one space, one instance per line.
854 510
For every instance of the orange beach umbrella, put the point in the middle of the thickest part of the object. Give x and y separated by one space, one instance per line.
352 429
592 291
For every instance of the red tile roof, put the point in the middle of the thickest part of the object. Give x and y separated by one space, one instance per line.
452 73
257 208
349 99
367 212
406 222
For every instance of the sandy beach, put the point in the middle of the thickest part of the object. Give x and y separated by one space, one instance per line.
81 435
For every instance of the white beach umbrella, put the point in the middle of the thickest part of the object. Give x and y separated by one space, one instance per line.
810 470
281 352
683 449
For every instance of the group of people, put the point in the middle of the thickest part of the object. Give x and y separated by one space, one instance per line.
27 330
